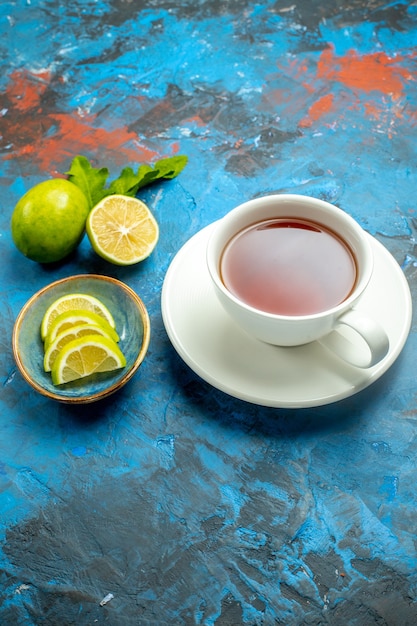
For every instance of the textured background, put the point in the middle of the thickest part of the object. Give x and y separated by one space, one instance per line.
189 506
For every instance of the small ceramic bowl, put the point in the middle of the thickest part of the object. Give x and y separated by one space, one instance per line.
132 325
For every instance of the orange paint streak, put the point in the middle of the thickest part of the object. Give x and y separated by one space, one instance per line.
72 135
26 89
319 108
195 119
371 72
309 88
51 140
372 111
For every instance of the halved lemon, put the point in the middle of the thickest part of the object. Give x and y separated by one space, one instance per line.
71 333
84 356
122 230
68 319
71 302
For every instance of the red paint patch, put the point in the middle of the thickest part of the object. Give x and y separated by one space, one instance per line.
72 135
371 72
319 108
195 119
53 138
175 147
346 79
372 111
78 136
26 89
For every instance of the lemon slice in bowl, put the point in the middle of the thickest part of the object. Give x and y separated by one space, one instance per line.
72 302
122 230
69 334
84 356
68 319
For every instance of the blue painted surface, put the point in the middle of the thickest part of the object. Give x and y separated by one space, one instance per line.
188 506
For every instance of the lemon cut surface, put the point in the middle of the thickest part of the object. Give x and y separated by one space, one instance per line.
67 320
72 302
85 356
71 333
122 230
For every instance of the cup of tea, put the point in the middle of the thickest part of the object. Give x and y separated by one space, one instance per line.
290 269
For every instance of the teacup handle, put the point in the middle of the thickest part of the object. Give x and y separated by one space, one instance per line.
366 330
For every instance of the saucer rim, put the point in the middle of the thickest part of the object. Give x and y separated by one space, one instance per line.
369 376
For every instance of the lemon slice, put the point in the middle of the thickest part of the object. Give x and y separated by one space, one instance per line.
84 356
71 333
68 319
71 302
122 230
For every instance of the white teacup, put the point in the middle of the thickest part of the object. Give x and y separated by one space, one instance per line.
338 325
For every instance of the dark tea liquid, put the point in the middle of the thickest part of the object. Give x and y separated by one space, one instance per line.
288 267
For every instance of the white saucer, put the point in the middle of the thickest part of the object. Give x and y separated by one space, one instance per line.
230 360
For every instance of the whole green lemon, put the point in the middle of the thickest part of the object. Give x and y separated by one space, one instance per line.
48 222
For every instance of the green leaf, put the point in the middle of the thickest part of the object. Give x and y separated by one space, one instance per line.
90 180
172 166
125 182
164 168
146 175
